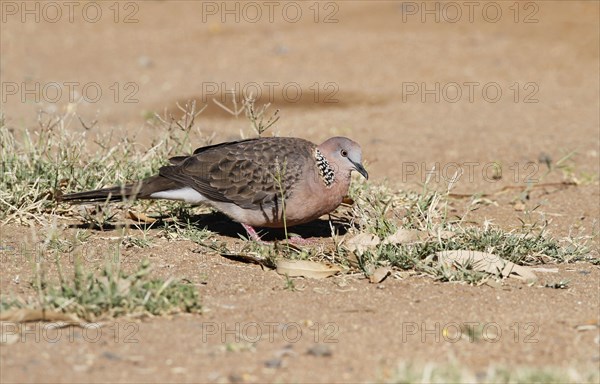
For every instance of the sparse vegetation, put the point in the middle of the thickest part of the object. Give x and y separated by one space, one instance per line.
110 293
382 212
45 162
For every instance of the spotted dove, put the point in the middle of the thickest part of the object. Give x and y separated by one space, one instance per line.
247 179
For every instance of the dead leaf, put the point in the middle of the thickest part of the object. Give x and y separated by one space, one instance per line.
586 327
486 262
380 274
141 217
306 268
243 258
23 315
403 236
362 242
589 325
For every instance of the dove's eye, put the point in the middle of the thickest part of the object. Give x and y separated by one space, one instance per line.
344 153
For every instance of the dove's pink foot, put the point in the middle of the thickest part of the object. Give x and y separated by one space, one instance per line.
295 240
252 234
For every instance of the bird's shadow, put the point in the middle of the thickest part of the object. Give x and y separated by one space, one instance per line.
222 225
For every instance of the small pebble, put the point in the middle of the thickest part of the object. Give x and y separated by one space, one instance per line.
319 350
110 355
273 363
144 62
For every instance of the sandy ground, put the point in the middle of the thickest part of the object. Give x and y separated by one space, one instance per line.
445 84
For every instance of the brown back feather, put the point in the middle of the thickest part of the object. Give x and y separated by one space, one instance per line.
243 172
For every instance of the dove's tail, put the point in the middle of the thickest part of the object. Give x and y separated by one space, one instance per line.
100 195
142 189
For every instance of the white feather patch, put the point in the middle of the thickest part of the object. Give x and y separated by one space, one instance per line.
187 194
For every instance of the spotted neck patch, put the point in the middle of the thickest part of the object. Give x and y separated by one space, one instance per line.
325 170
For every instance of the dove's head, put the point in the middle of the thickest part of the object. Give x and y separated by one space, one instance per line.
344 155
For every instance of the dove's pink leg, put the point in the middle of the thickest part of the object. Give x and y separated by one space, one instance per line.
251 233
254 236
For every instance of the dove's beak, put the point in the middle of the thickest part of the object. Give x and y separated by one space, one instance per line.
359 167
